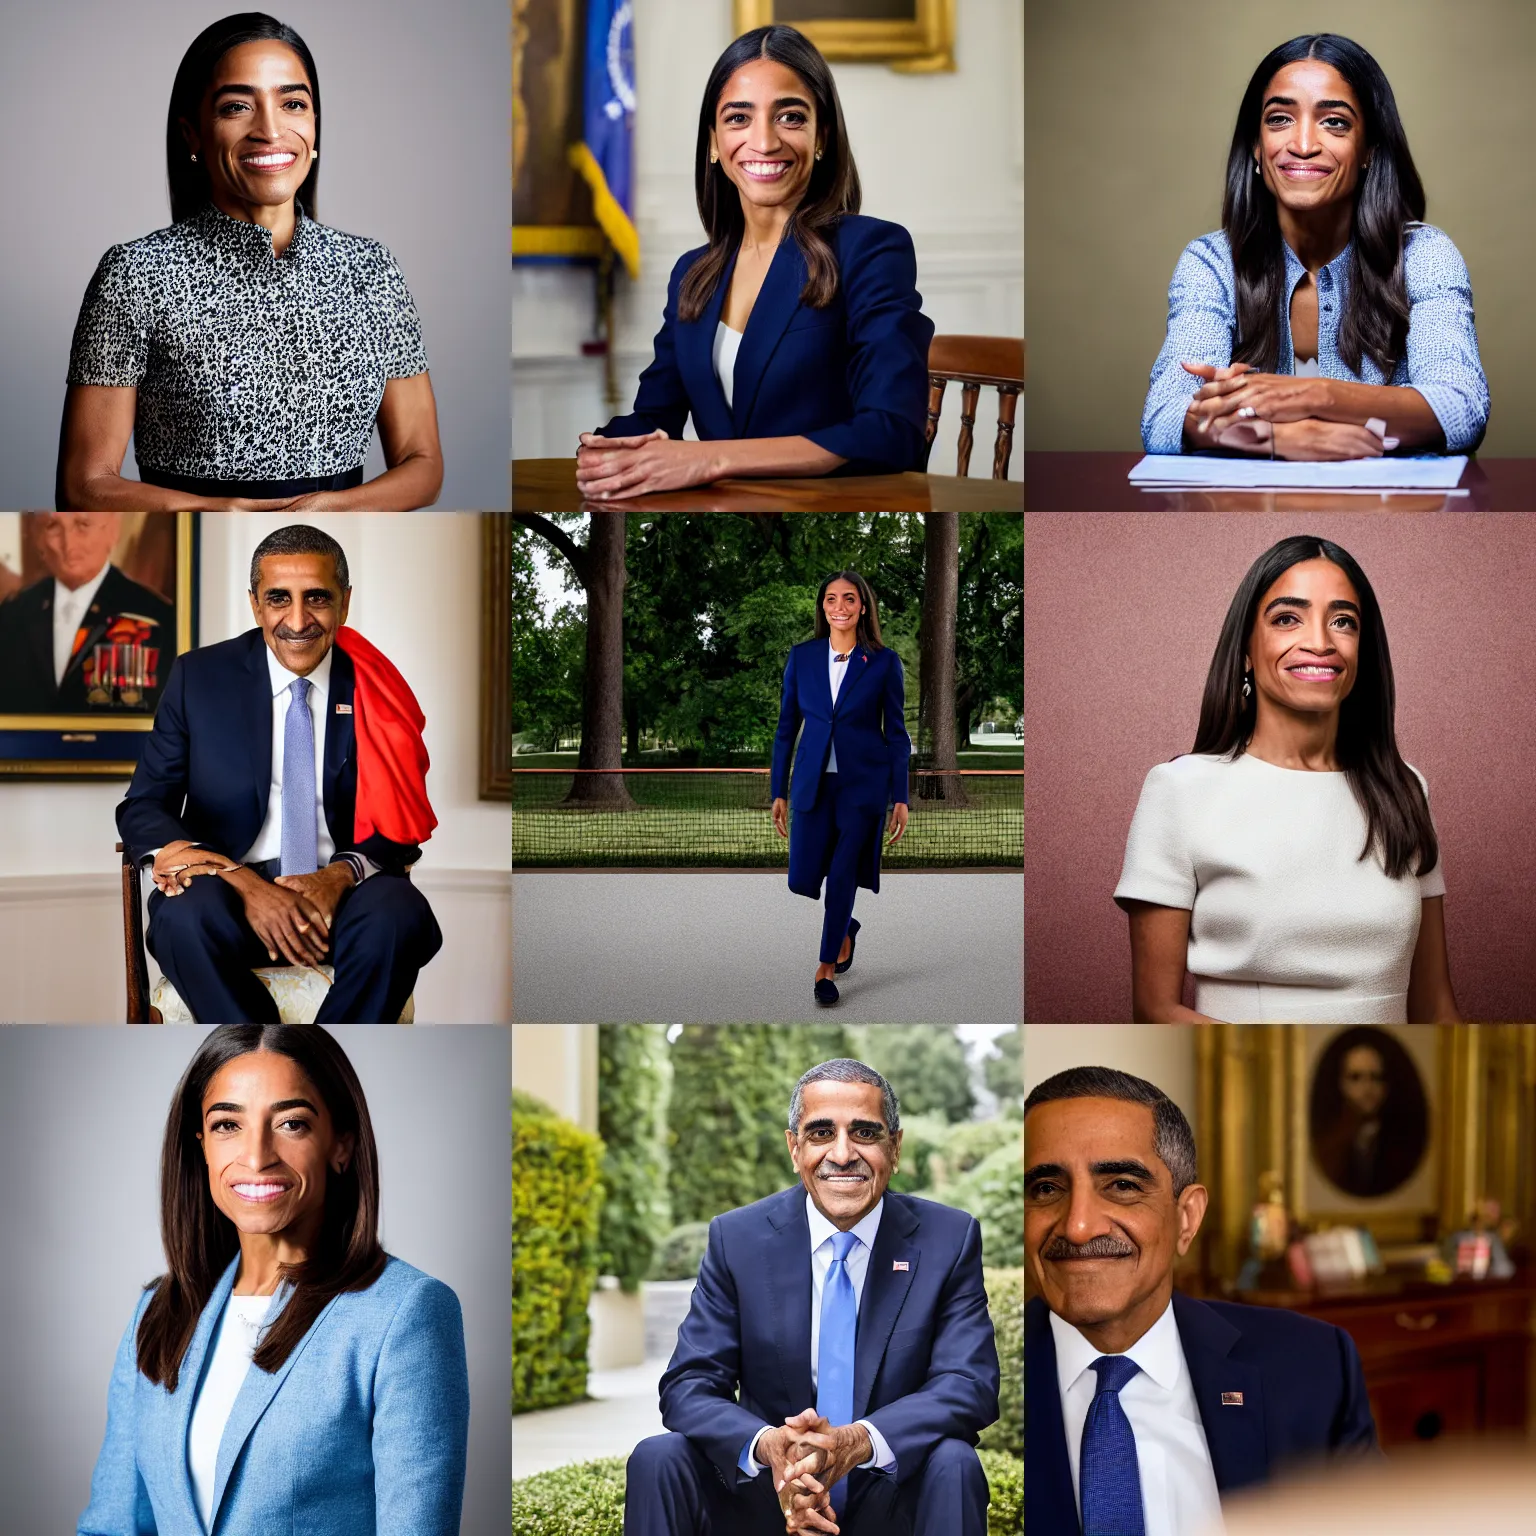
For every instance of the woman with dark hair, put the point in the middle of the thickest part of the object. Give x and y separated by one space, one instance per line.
286 1369
1325 319
1289 862
796 338
848 691
247 349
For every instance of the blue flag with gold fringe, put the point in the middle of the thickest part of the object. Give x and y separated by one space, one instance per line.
605 157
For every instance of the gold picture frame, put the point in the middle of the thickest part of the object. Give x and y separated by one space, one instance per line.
924 45
1252 1116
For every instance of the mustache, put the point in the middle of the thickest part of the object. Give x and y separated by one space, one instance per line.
827 1170
1106 1247
314 632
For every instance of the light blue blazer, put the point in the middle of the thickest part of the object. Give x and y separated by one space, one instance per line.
362 1431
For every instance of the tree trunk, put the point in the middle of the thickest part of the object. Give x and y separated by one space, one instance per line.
936 697
602 704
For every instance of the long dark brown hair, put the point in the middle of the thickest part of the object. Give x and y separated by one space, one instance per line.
834 185
1387 789
868 632
1390 196
190 191
200 1240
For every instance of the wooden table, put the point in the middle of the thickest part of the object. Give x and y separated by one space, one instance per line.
549 485
1096 482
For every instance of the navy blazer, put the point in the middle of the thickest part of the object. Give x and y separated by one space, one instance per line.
852 377
362 1431
925 1361
1303 1396
866 725
206 770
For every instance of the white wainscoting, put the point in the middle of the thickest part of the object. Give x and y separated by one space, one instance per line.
61 949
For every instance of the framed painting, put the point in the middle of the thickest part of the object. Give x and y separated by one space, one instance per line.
496 656
914 36
94 608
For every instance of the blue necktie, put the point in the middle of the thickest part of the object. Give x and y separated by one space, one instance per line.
300 853
834 1348
1109 1479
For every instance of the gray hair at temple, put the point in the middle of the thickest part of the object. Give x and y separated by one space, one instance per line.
301 539
843 1069
1173 1139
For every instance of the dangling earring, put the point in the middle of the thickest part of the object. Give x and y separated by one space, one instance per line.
1257 169
713 157
1248 686
818 154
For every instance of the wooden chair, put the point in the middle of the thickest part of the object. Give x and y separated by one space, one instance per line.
297 1002
972 361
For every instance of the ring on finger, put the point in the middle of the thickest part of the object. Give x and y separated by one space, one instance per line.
1246 413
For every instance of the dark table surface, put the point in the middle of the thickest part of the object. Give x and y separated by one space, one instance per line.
1096 482
549 485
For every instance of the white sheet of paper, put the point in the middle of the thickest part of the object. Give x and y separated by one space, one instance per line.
1431 472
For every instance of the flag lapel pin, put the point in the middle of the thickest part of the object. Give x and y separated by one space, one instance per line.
343 709
1231 1399
898 1264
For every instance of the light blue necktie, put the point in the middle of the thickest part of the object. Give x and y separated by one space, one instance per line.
1109 1478
300 852
834 1348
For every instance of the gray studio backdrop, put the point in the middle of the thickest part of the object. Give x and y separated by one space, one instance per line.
416 100
82 1111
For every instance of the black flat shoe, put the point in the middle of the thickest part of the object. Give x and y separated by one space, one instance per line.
853 944
826 992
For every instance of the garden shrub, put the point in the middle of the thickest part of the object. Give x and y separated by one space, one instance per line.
587 1498
1005 1306
969 1142
921 1137
680 1252
556 1200
633 1077
993 1192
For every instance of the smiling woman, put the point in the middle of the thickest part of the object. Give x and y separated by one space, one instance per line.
1325 319
248 350
795 339
285 1363
1289 862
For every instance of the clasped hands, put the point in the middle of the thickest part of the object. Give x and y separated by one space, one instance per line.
1242 409
612 468
291 916
806 1456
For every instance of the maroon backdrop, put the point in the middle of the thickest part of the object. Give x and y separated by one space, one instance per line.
1121 615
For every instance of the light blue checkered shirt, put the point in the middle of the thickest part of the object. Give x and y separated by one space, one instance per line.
1442 361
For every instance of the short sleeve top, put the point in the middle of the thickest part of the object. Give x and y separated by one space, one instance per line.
249 366
1441 358
1267 862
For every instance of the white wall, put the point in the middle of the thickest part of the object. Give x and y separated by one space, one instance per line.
1164 1055
942 154
416 595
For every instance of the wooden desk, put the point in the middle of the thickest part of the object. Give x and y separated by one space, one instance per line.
1440 1360
549 485
1096 482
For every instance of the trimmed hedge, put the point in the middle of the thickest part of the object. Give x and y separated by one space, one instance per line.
556 1201
1005 1306
587 1498
633 1078
993 1192
681 1252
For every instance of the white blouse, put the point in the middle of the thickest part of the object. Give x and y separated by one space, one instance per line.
723 355
229 1360
1287 923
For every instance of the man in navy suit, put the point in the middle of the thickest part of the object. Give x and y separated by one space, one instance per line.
1144 1406
837 1362
244 800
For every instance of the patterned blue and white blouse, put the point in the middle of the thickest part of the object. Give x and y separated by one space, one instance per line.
1442 360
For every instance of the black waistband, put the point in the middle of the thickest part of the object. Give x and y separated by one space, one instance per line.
251 490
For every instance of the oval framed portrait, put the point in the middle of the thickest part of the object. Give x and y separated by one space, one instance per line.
1368 1118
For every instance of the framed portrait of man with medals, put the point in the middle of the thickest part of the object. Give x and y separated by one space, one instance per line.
94 608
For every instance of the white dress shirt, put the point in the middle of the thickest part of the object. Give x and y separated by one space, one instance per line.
836 672
857 1265
69 610
723 355
269 841
1178 1483
229 1362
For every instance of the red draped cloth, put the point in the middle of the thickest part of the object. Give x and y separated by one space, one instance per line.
392 758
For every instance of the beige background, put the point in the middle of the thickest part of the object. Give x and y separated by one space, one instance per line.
1130 110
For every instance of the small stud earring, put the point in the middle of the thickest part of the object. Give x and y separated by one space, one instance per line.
314 154
1257 171
818 154
194 159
